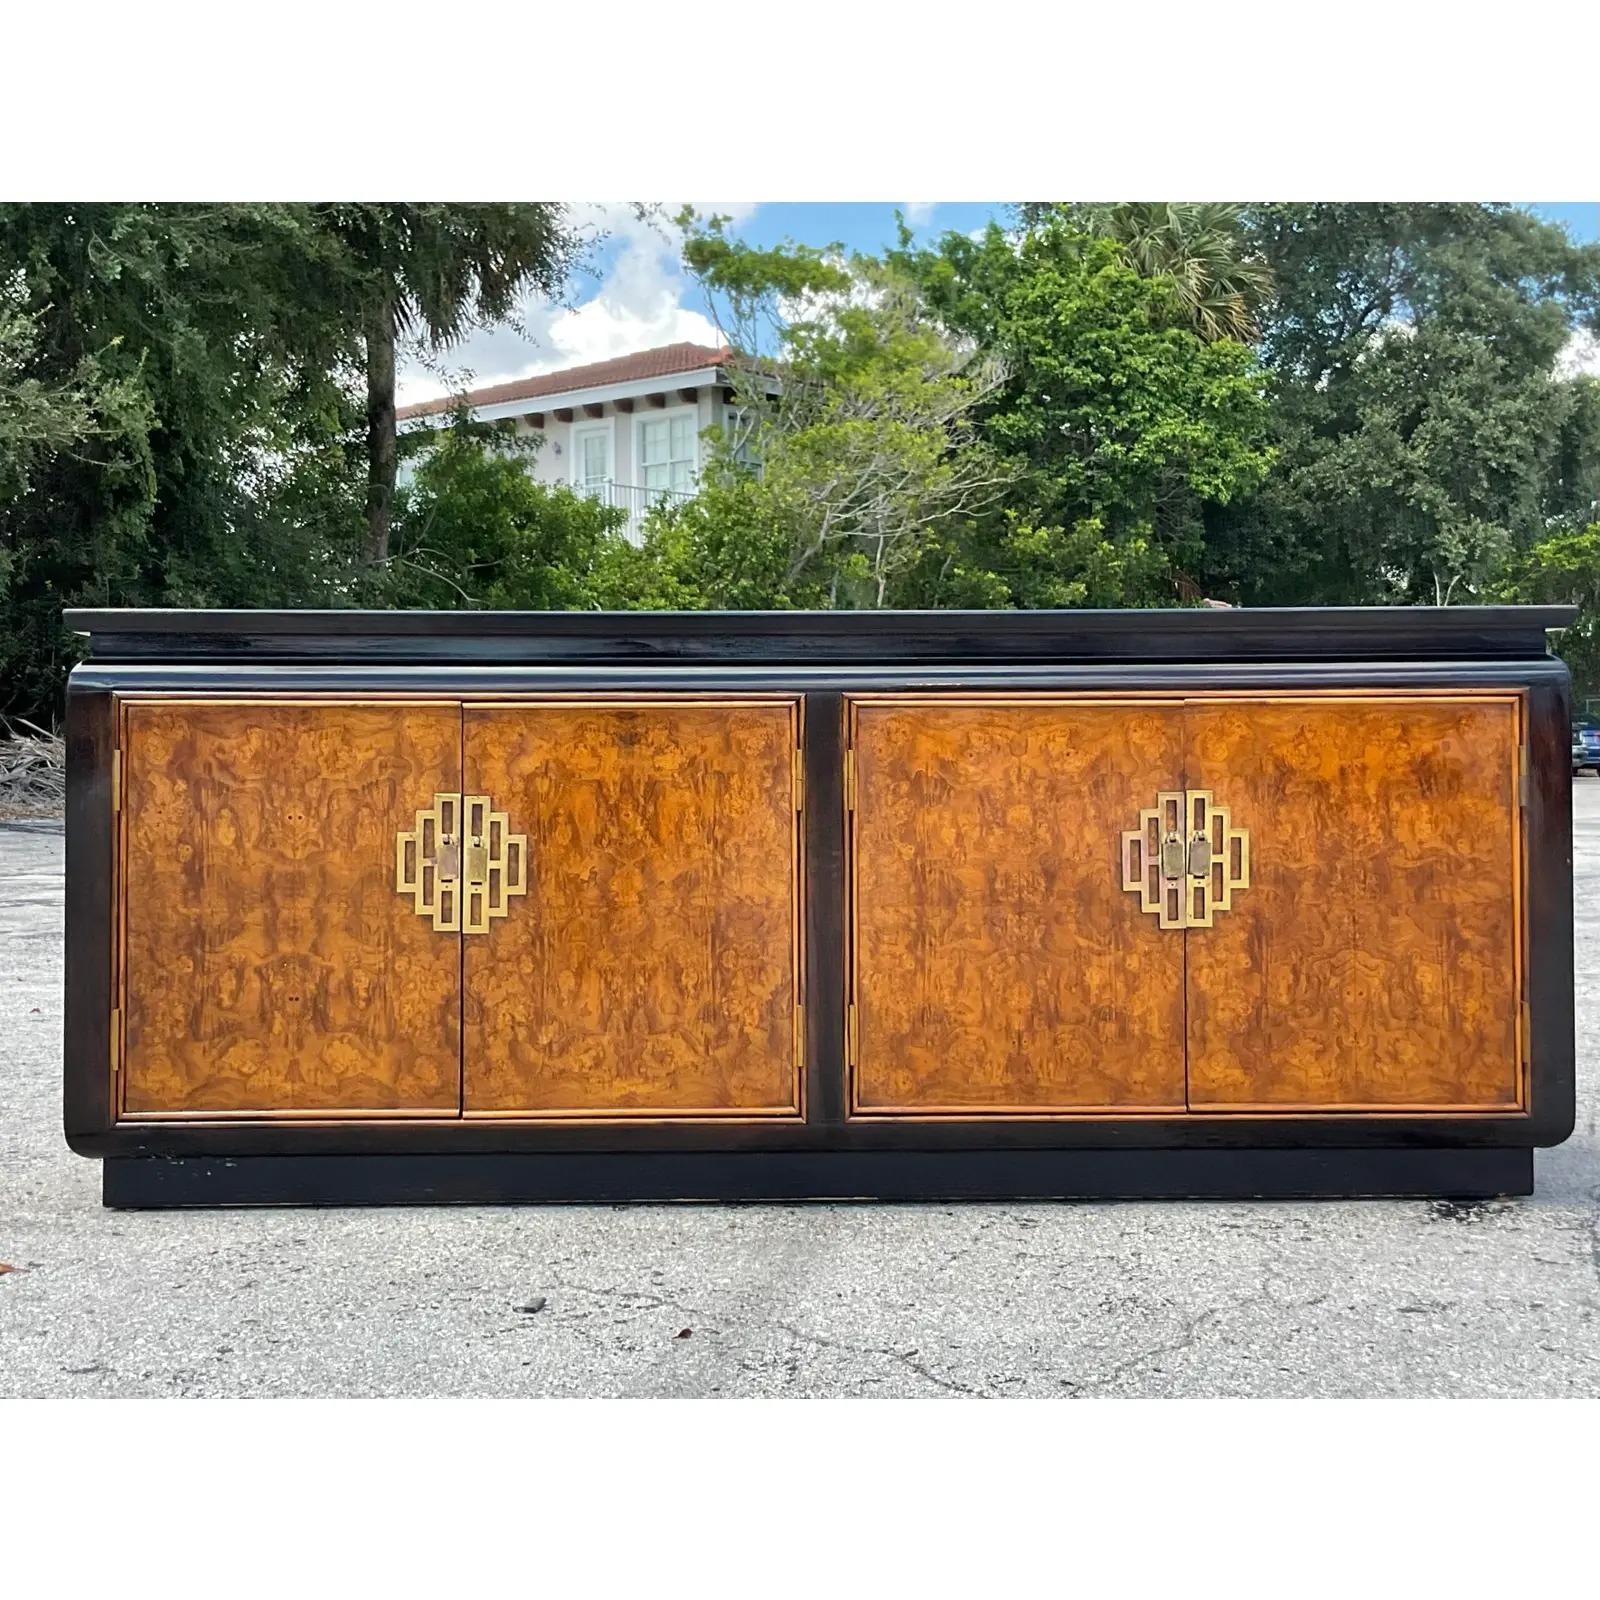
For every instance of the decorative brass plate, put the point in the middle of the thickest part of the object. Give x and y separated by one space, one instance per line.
1153 859
1219 859
460 863
1185 860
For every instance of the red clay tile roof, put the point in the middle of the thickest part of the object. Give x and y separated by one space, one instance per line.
658 363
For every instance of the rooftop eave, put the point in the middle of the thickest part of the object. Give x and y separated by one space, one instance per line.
562 399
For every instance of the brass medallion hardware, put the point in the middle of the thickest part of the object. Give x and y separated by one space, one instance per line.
1185 860
460 863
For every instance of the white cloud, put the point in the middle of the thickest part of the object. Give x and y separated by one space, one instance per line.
638 304
919 213
1580 357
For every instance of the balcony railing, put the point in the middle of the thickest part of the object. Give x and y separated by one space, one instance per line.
634 499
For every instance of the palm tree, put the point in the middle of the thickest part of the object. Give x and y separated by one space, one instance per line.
1200 246
432 272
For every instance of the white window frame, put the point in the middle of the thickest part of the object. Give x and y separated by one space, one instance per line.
733 419
578 430
666 414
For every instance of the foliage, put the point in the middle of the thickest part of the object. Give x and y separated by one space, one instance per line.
731 547
862 418
1201 248
1016 563
209 410
39 417
1563 568
1113 405
1123 423
474 529
431 273
1422 438
182 388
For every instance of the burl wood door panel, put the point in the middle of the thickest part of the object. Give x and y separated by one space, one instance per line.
269 965
999 966
1374 962
652 967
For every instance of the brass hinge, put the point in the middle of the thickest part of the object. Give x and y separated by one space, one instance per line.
849 780
116 781
852 1037
1525 782
800 1034
116 1042
799 779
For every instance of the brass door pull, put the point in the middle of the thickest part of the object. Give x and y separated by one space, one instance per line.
1185 860
460 863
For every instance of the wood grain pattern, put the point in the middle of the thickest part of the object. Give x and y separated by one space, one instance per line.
270 965
651 968
1374 960
999 964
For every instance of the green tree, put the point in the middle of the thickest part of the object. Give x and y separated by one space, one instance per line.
1125 426
733 547
861 413
39 417
474 529
1423 438
1201 247
1563 568
210 384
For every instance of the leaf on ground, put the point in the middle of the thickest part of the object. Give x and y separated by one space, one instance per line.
683 1333
5 1266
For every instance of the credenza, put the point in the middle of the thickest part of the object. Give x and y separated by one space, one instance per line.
387 907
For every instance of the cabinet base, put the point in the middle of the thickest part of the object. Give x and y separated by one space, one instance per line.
154 1182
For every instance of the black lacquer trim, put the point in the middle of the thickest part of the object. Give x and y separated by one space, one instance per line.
799 637
725 1176
87 1093
260 678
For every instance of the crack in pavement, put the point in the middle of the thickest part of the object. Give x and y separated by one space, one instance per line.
906 1358
1190 1337
646 1301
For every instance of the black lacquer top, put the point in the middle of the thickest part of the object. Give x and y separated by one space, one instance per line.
1272 634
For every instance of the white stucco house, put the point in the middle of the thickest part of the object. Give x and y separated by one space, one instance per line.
627 431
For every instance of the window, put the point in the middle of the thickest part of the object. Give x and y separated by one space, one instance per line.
669 451
738 432
591 459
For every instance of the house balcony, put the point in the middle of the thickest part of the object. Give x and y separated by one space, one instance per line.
634 499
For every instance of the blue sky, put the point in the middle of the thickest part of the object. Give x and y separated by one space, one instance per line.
870 227
634 294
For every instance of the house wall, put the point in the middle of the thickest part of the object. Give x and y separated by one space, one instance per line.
555 461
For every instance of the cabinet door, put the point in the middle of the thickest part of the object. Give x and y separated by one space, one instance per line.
268 963
999 964
1374 961
651 967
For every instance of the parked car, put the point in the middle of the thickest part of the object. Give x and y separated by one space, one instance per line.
1585 745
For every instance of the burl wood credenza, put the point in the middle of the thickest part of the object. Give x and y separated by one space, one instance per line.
390 906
